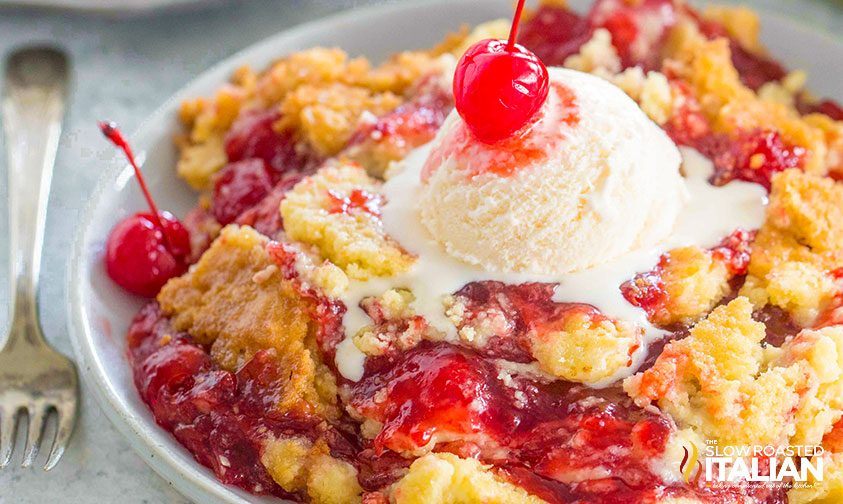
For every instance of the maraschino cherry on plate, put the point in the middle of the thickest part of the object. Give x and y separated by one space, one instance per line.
144 250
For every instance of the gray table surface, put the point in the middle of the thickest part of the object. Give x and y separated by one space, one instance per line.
124 68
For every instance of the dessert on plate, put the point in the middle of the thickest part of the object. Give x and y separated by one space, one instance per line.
573 269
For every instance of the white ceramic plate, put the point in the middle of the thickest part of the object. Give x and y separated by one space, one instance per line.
100 312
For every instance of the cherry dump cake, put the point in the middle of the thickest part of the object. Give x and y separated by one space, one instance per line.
603 264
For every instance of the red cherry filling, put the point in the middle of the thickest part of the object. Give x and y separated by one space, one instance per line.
358 199
264 216
648 291
146 249
240 186
828 107
499 86
735 251
638 29
749 155
253 136
516 314
754 69
263 165
554 33
754 156
221 417
412 124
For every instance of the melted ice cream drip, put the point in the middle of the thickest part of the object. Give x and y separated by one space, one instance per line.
709 214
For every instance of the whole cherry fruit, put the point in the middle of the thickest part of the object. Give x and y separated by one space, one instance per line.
499 86
140 258
497 90
145 250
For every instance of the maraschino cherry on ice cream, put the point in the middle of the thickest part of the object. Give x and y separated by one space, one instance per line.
147 249
499 86
542 171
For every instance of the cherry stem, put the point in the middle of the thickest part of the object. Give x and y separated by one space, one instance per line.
516 20
113 134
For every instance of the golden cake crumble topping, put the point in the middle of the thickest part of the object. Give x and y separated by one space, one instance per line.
297 464
445 478
799 247
338 211
208 304
716 381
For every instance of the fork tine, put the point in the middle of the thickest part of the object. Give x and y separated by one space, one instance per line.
8 429
37 415
66 418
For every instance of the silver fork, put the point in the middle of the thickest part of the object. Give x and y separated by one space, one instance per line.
35 380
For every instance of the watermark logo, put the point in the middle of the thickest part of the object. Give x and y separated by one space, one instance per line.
795 465
691 461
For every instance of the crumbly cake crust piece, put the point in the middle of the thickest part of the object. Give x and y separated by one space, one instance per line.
235 301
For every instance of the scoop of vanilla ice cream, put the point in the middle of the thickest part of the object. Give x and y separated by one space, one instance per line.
592 179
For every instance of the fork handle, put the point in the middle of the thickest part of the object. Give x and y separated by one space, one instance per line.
32 109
